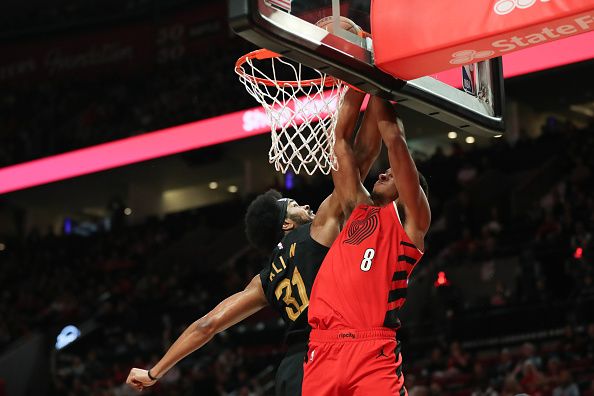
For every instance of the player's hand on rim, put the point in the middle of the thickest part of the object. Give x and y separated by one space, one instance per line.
139 379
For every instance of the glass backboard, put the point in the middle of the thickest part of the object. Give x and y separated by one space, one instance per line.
288 27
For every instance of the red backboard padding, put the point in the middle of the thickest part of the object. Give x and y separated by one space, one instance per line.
415 38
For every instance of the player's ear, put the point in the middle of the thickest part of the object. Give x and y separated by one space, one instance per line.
288 225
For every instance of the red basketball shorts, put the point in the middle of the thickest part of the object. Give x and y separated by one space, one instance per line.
353 362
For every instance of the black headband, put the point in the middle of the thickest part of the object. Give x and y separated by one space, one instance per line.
282 204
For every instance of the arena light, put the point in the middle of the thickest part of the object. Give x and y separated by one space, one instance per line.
213 185
469 139
582 109
452 135
289 180
67 336
67 226
441 280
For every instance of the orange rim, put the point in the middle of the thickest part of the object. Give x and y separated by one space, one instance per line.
263 54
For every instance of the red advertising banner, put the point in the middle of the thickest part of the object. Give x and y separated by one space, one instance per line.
120 49
454 33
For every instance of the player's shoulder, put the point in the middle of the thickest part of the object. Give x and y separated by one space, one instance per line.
300 234
306 239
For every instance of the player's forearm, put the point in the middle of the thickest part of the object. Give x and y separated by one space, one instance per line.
348 115
396 145
390 127
229 312
406 176
392 134
367 150
367 147
193 338
347 179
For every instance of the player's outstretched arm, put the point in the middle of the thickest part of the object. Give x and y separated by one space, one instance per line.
404 170
366 149
229 312
368 144
347 179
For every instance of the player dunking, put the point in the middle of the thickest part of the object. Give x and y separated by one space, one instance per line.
299 241
363 280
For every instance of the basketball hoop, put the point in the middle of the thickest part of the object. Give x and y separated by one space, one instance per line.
301 105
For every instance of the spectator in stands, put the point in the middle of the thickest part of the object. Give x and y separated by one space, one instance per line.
410 383
459 360
548 230
590 390
501 295
581 173
493 225
569 345
437 363
506 365
567 387
531 379
467 174
553 372
435 389
589 350
529 355
465 246
419 390
586 287
483 384
511 387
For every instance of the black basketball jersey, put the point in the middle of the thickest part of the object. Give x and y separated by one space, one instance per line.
288 278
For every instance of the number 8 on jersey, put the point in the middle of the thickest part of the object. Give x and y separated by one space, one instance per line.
367 260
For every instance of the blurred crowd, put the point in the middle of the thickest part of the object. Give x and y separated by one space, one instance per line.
18 18
129 284
560 366
85 113
534 200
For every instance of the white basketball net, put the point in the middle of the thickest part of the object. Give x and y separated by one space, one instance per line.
302 113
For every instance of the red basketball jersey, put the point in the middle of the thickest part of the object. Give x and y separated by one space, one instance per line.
363 280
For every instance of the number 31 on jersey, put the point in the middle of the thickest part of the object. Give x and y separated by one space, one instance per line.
284 290
367 260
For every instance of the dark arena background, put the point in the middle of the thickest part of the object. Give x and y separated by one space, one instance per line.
129 152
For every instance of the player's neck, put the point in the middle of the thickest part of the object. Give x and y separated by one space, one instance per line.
378 200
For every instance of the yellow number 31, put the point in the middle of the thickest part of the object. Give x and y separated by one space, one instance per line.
293 308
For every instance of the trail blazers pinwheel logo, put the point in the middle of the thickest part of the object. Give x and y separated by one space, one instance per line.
361 229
